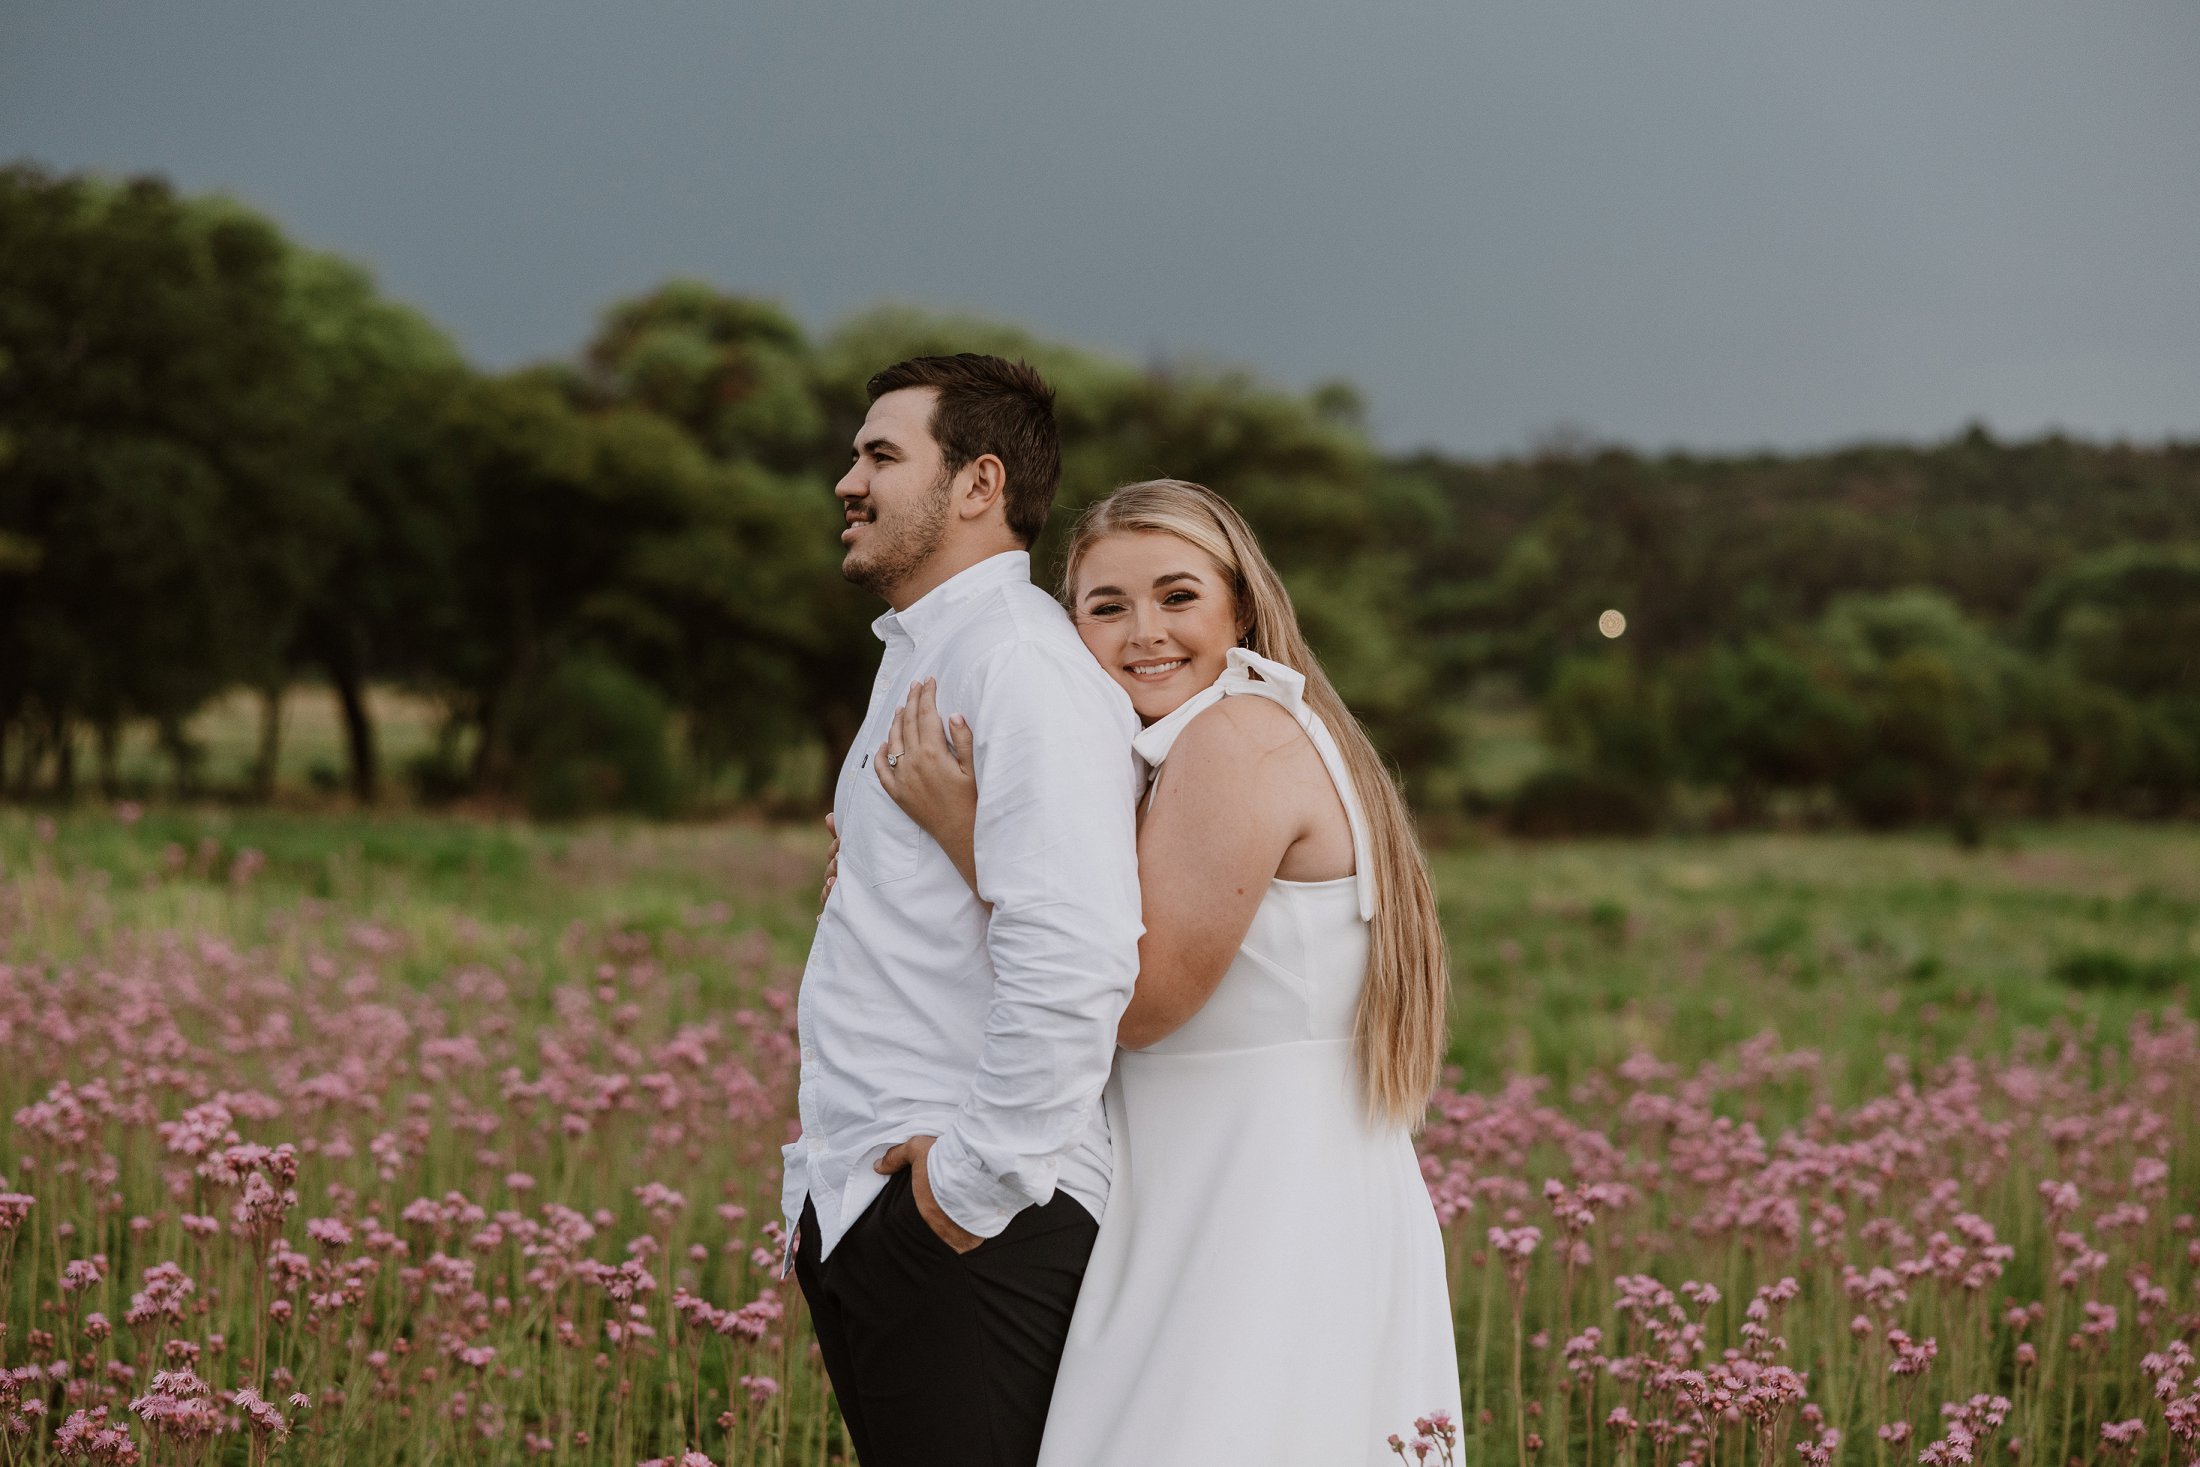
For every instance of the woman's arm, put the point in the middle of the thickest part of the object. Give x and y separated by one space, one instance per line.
1227 809
931 780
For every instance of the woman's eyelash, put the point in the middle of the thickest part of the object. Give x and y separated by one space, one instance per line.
1111 608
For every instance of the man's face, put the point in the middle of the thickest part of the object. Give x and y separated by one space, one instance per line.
895 495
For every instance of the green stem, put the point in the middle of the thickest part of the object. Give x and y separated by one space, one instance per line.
1481 1359
1520 1405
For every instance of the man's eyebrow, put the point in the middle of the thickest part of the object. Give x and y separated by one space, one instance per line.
873 445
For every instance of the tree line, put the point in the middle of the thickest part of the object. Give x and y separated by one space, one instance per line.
1880 635
228 461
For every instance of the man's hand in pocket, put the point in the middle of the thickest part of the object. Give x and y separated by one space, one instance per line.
911 1154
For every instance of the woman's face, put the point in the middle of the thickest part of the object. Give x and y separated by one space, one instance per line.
1158 614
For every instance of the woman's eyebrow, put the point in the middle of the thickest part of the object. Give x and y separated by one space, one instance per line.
1165 579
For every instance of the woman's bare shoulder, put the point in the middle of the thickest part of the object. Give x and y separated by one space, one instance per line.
1244 741
1238 725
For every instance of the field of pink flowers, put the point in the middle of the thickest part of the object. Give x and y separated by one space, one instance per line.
290 1200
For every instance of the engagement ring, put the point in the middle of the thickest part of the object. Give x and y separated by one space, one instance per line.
893 761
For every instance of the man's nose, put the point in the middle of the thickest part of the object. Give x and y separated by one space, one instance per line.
851 485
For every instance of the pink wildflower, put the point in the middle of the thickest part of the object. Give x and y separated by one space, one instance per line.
83 1274
264 1419
88 1437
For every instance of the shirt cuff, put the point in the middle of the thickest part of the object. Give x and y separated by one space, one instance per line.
973 1199
794 1179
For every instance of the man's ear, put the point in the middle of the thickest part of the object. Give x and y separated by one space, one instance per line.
982 487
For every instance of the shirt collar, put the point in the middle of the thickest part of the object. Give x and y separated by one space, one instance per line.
941 607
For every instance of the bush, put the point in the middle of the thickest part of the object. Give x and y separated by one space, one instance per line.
1886 793
1763 717
2105 968
438 776
1568 799
2166 772
1602 711
591 737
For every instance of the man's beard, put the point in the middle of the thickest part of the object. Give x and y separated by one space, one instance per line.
896 550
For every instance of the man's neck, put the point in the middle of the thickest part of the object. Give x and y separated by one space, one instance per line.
944 567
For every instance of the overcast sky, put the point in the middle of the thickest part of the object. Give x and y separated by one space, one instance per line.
1714 223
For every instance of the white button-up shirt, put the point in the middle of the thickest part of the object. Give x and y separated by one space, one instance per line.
920 1011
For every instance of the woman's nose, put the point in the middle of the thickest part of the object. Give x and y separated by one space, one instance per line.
1145 626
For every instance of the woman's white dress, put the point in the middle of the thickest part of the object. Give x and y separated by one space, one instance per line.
1268 1284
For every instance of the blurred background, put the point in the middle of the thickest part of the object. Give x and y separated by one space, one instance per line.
1685 418
1742 461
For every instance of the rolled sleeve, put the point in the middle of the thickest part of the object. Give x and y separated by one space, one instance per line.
1056 844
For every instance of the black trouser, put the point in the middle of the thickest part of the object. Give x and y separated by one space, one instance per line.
942 1359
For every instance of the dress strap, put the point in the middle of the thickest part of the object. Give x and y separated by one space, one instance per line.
1248 674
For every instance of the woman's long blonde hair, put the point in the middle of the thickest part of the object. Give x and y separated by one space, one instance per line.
1401 1031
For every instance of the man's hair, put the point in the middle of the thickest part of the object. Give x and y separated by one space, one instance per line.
990 405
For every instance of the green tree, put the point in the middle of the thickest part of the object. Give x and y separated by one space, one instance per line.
739 610
380 383
1764 717
731 370
156 461
2126 622
1932 687
1602 712
2128 618
556 504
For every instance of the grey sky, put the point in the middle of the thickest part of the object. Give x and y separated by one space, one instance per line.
1717 223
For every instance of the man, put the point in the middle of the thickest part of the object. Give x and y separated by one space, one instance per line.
954 1157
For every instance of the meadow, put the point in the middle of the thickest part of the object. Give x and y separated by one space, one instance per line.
347 1139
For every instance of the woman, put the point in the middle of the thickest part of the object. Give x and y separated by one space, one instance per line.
1268 1285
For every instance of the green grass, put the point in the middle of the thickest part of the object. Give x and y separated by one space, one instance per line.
1566 956
458 890
1569 956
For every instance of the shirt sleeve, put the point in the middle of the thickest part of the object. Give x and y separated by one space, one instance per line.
1056 846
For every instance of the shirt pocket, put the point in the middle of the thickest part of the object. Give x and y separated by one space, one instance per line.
881 844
